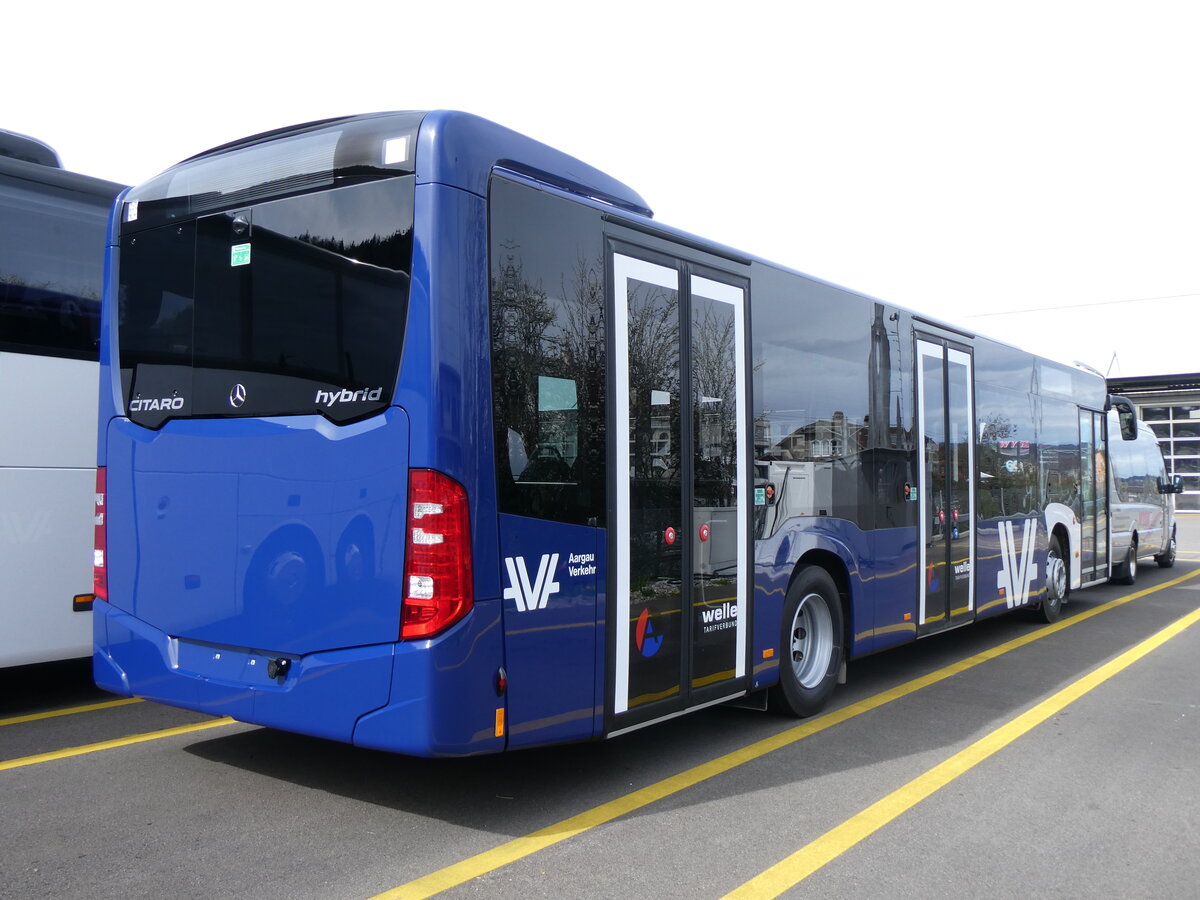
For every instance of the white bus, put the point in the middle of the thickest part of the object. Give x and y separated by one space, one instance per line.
52 228
1141 503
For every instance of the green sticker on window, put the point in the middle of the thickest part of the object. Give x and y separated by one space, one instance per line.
239 255
760 496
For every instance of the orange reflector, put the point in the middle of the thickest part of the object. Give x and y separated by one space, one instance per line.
908 617
768 653
500 722
83 602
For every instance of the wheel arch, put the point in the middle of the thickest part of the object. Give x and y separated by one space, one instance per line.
837 569
1062 521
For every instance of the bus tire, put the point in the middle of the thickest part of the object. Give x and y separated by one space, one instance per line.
810 643
1050 609
1126 572
1166 559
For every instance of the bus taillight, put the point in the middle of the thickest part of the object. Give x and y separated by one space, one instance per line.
438 585
100 551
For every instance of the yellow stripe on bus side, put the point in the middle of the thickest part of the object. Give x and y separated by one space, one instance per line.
54 713
519 848
813 856
109 745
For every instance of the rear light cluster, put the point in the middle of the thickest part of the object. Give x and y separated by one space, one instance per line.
438 583
99 554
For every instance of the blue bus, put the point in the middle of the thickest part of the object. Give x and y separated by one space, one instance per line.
420 435
52 228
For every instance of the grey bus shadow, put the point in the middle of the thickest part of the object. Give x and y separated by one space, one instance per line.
520 792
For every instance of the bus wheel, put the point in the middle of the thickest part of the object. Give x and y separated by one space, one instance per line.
1166 559
1126 573
1056 583
811 642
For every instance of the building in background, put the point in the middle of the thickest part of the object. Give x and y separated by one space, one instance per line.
1170 404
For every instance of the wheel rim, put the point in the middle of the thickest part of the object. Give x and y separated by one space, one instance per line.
1056 578
812 640
1171 551
1132 561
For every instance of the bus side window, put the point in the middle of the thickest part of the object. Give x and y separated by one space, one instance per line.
51 272
548 351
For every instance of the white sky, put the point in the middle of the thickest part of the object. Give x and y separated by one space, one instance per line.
988 164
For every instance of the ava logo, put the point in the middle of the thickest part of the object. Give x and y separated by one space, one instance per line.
648 640
530 597
1017 571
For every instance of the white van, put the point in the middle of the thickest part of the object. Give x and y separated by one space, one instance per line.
1141 502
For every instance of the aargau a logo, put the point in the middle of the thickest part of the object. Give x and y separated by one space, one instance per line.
1017 570
531 596
237 395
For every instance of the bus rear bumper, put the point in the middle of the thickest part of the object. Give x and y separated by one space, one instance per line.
403 698
322 694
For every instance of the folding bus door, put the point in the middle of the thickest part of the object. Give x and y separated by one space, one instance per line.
679 539
1093 496
946 451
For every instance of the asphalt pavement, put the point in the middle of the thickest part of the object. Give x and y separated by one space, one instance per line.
1003 759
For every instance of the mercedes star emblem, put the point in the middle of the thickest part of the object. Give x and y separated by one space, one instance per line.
237 395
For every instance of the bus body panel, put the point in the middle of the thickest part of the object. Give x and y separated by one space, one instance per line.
445 377
1010 567
893 562
444 700
552 610
46 482
281 535
109 388
460 150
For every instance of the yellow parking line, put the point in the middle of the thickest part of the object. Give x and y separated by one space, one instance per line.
54 713
109 745
519 848
808 859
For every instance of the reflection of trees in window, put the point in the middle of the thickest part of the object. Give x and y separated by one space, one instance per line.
653 379
1008 468
713 371
521 315
389 251
548 386
1058 453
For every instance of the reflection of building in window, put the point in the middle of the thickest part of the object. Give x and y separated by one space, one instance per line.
717 430
558 417
660 442
832 438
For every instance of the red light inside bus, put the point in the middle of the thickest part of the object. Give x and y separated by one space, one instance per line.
100 551
438 583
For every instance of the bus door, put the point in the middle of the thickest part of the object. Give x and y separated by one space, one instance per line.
1093 496
679 536
946 450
